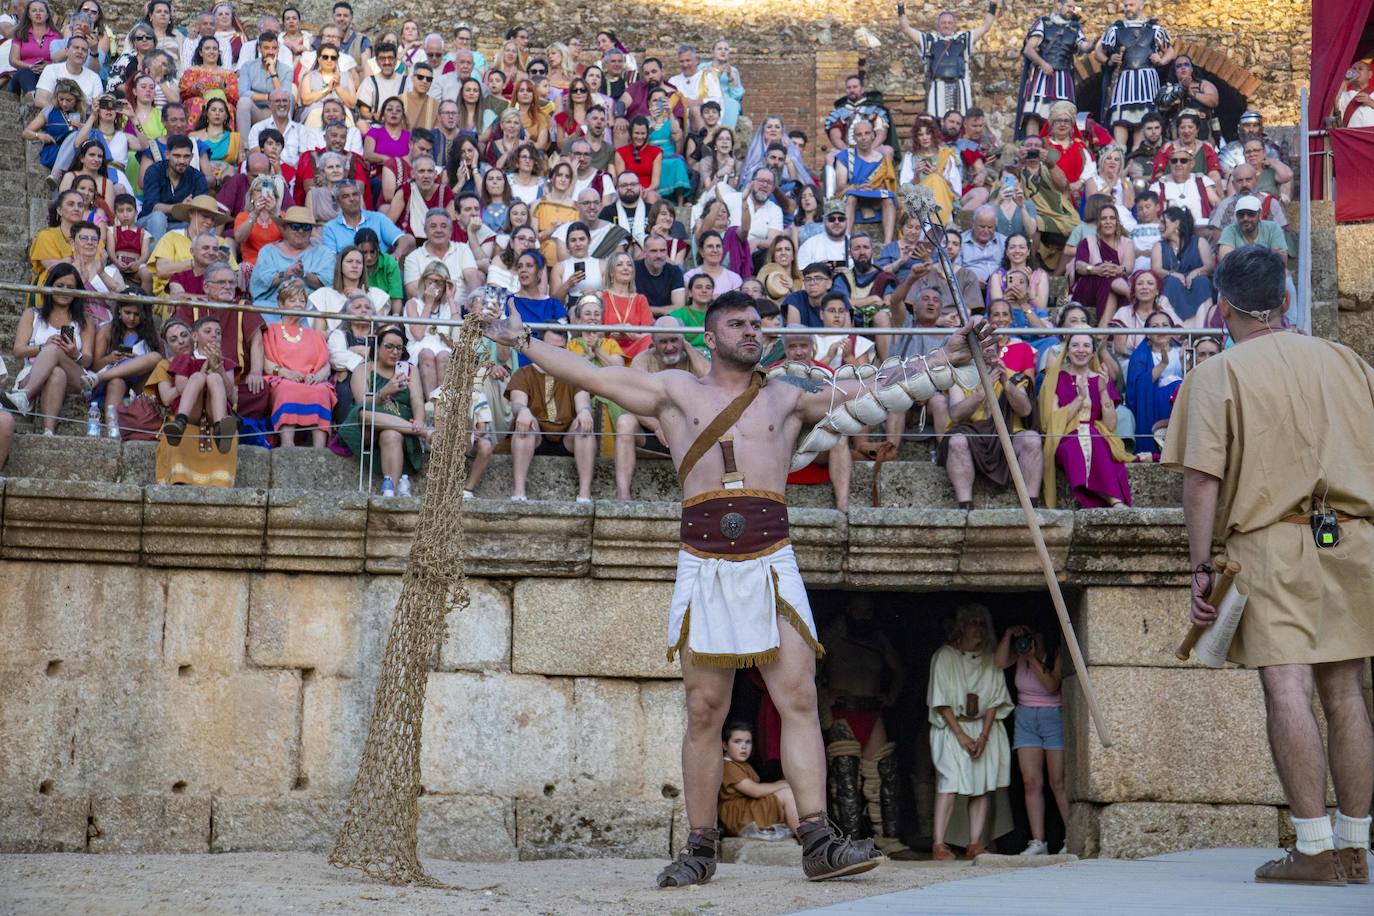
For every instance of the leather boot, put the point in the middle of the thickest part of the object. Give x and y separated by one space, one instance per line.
886 826
843 782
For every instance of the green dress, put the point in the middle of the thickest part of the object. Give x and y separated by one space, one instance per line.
352 433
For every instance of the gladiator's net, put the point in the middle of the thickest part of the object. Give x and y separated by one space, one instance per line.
378 834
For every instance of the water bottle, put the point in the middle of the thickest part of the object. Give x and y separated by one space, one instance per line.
388 488
111 422
403 487
93 421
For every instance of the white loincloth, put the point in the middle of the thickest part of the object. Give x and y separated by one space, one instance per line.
725 612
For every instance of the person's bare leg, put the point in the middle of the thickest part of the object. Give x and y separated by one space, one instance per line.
889 220
318 438
791 682
1032 762
50 401
841 472
288 436
1294 740
583 448
978 818
523 441
1031 457
626 430
480 459
441 363
877 740
944 809
959 466
938 406
428 373
882 318
6 436
190 395
708 702
789 807
216 398
1349 735
391 443
893 427
115 389
1054 765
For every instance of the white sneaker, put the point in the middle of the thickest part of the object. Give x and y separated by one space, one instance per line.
16 400
1036 848
1064 850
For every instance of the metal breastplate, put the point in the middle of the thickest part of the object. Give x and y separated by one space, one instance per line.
1059 44
948 57
1137 42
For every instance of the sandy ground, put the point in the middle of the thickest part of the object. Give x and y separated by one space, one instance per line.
71 884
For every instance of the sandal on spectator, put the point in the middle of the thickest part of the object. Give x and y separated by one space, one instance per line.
174 429
89 380
16 401
225 431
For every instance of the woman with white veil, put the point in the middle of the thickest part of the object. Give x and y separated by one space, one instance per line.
769 132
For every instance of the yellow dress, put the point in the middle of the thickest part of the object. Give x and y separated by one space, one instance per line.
549 215
738 810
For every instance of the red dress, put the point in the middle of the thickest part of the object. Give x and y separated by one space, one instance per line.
618 309
640 161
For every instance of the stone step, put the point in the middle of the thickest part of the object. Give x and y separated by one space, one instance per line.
738 851
72 456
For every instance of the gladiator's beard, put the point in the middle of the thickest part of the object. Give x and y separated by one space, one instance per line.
737 358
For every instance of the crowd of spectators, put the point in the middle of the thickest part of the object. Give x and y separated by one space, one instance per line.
358 177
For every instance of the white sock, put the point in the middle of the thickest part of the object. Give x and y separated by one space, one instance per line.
1314 834
1351 832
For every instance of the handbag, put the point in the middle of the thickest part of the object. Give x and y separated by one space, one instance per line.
140 420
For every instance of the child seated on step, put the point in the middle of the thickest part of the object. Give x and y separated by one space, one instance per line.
129 246
750 808
205 381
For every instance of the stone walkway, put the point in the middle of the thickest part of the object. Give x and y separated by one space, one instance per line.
1217 882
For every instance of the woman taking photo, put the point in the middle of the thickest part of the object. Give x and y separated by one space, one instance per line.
296 363
56 340
968 700
56 122
1017 256
207 77
1078 410
580 274
933 165
257 226
1185 261
665 132
386 396
1038 739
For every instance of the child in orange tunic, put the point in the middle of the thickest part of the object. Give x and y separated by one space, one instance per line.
745 802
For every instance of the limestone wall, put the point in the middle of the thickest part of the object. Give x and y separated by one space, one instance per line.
191 670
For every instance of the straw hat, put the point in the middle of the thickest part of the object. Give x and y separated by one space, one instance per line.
301 215
203 204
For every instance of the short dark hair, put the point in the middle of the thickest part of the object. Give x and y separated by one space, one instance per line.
367 237
710 103
421 133
833 295
125 200
733 301
1252 279
269 35
341 3
817 267
690 283
1152 116
203 320
385 47
777 147
735 725
974 112
1147 195
180 141
271 133
465 195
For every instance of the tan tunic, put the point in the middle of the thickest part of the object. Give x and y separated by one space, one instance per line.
1281 420
738 810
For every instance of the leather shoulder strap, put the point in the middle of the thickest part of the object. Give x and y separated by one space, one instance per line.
708 437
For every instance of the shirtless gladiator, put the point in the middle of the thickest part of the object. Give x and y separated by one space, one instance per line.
739 599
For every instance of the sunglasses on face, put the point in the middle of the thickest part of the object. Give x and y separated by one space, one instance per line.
1181 161
420 77
835 218
143 38
329 57
577 91
299 227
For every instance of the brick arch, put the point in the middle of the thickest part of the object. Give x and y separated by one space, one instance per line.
1206 57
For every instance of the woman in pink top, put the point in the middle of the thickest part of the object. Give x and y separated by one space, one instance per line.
1039 733
31 49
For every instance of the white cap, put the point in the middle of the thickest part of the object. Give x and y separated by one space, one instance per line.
1248 202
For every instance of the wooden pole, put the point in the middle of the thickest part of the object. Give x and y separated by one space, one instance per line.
1023 495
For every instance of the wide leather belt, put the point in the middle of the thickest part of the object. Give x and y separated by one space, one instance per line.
737 524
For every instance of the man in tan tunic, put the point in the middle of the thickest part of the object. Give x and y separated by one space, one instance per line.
1267 434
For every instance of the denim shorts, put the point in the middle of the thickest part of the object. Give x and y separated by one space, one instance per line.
1039 726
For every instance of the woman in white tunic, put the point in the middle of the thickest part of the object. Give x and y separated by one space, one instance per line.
968 700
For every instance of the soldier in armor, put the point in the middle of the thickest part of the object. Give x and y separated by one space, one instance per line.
1251 127
1132 47
1047 76
856 103
946 55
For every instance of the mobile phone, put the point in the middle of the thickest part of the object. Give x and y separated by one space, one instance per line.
579 267
1009 183
68 332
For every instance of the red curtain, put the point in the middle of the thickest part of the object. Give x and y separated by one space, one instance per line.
1354 152
1337 26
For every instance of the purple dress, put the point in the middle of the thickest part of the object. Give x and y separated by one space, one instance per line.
1091 290
1095 477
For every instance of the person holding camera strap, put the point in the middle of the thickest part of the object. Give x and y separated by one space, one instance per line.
1271 436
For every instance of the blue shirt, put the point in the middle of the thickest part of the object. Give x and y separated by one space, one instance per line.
254 78
338 235
982 259
158 189
531 310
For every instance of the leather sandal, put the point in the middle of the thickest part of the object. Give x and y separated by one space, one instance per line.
974 850
941 852
827 853
174 429
226 429
696 863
